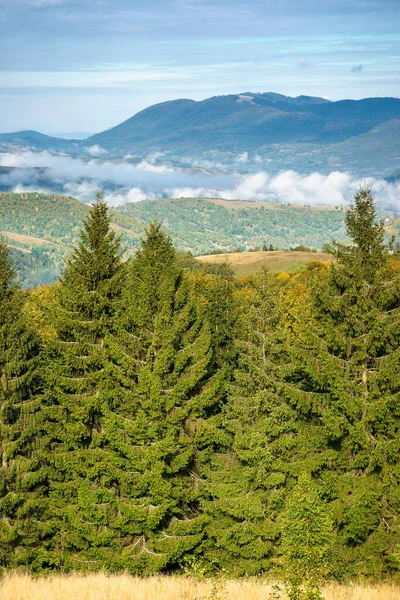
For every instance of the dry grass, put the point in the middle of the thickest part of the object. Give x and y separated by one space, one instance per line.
124 587
247 263
25 239
236 204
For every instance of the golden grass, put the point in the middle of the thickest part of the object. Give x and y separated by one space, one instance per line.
25 239
237 204
246 263
124 587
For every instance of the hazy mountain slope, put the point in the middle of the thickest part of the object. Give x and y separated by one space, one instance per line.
303 133
37 140
246 121
379 149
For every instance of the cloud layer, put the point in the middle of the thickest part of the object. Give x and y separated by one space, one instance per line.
122 181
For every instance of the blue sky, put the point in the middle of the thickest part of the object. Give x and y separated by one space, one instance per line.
86 65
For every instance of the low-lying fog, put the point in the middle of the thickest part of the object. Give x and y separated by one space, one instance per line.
133 179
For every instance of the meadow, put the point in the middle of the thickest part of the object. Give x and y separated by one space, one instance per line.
248 263
125 587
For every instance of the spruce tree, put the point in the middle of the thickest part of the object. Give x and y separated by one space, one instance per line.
81 494
248 474
306 540
163 352
19 404
345 380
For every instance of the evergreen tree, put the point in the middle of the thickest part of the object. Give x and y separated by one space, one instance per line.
19 402
167 389
248 476
81 496
216 297
347 383
306 540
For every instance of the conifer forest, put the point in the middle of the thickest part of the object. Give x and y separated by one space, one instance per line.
156 419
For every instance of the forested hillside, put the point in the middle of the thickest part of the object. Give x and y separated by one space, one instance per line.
41 229
203 225
154 419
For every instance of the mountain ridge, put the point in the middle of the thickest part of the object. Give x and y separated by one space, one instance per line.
302 133
274 118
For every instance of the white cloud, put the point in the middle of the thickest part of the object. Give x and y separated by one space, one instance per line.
132 195
243 158
124 182
85 190
96 150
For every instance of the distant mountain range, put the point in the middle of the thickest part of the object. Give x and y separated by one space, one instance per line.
302 133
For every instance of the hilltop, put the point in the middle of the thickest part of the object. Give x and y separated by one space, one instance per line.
247 121
201 225
248 263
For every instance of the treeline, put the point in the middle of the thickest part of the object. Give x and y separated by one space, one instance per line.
153 418
203 225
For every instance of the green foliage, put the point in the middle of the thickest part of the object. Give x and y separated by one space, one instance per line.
192 418
163 343
53 222
202 226
81 498
19 402
248 473
345 381
47 227
306 540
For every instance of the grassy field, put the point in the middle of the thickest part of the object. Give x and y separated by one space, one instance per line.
25 239
247 263
123 587
237 204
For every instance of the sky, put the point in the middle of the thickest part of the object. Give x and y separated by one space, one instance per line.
86 65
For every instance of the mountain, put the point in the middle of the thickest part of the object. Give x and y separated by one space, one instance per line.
38 141
42 228
304 133
73 135
246 121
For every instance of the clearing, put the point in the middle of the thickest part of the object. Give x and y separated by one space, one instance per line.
247 263
26 239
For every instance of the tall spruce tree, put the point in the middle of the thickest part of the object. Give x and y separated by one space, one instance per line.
19 403
163 352
81 494
248 474
346 382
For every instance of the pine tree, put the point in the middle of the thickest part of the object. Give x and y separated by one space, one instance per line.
81 496
347 385
248 476
163 351
215 296
306 540
19 403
